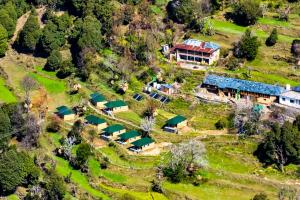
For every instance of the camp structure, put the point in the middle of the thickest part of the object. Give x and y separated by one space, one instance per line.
233 88
116 106
129 137
142 144
112 132
65 113
98 100
96 122
175 123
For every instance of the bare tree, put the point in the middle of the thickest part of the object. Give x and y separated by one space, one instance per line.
147 125
186 157
31 132
28 84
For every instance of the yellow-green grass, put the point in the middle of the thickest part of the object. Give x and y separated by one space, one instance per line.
12 197
135 195
130 116
53 86
231 28
64 169
96 171
138 162
5 94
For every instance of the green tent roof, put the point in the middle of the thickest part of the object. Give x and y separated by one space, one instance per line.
96 97
176 120
113 128
92 119
64 110
129 135
143 142
115 104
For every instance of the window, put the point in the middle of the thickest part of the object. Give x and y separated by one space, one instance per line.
292 101
183 57
283 99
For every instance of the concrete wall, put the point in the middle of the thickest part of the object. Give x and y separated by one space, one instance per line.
101 105
182 124
69 117
150 146
287 101
120 109
101 126
265 100
133 139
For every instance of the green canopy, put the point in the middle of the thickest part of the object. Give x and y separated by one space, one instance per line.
113 128
176 120
143 142
129 135
115 104
92 119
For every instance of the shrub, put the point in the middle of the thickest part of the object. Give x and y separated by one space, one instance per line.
246 12
272 39
233 64
221 124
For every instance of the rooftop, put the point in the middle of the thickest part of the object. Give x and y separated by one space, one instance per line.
115 104
291 94
143 142
176 120
243 85
96 97
92 119
64 110
196 45
113 128
129 135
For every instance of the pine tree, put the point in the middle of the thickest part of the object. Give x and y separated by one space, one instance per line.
3 40
272 39
30 34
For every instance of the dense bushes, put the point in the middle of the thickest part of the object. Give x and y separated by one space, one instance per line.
16 169
247 47
246 12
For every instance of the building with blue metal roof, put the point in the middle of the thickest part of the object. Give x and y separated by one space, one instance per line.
238 88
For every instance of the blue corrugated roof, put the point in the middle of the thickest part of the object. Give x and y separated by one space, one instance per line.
243 85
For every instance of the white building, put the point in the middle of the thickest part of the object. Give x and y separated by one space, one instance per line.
291 97
195 51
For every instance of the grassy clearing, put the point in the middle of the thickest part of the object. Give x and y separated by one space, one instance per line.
274 22
126 161
51 85
130 116
96 171
5 94
12 197
63 168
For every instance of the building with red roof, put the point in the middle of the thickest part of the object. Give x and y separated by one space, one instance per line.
195 51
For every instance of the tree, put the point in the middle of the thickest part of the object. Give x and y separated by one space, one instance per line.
184 11
16 169
247 47
128 14
29 35
66 69
260 196
295 48
5 128
147 125
104 13
184 159
281 146
82 154
31 131
76 131
55 187
53 61
28 84
246 12
51 39
272 39
7 22
3 41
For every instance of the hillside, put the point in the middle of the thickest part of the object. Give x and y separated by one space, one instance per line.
69 50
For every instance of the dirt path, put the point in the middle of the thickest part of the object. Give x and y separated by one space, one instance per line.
20 24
